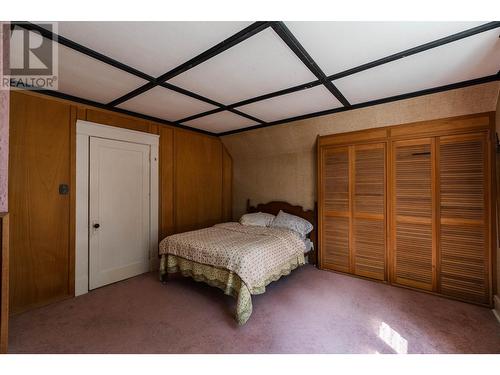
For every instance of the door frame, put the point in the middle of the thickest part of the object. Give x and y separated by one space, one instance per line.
85 130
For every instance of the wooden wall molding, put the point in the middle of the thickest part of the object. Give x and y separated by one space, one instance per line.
445 126
369 135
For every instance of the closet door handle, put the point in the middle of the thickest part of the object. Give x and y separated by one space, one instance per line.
96 225
421 153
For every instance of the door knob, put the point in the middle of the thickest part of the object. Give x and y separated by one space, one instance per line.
96 225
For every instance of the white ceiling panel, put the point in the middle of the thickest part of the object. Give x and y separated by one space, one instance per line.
259 65
88 78
221 122
84 77
165 104
338 46
469 58
295 104
151 47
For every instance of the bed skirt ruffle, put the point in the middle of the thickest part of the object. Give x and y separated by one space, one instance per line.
227 281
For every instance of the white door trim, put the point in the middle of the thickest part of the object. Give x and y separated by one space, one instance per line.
85 130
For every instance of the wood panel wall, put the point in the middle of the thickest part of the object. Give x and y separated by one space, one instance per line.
227 185
113 119
166 224
39 234
194 192
4 281
198 181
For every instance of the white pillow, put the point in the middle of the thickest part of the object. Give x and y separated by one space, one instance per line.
259 219
292 222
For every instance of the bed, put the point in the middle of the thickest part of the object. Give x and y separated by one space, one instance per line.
241 260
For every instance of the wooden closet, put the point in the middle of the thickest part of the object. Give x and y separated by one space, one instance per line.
353 209
411 205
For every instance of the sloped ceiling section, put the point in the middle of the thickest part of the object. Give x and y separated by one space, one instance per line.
226 77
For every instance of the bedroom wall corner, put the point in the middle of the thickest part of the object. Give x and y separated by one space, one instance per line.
4 122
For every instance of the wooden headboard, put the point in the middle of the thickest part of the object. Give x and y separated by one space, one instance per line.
310 215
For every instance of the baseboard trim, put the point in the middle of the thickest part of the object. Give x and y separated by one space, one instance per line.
496 310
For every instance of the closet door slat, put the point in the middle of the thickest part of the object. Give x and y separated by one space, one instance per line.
336 243
463 253
336 179
413 263
368 216
335 197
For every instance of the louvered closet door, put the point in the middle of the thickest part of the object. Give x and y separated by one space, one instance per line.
463 252
335 209
412 216
368 217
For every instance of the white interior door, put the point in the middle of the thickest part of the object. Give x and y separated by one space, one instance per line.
119 210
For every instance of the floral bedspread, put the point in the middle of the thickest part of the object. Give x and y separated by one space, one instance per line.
240 260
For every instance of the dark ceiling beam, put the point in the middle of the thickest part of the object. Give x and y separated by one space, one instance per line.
191 94
239 37
107 60
421 48
199 115
82 49
472 82
411 51
221 109
221 106
246 115
303 86
76 99
132 94
289 90
242 35
282 30
152 81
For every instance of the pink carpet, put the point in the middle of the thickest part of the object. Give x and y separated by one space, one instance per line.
309 311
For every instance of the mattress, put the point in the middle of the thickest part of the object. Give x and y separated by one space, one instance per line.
249 257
